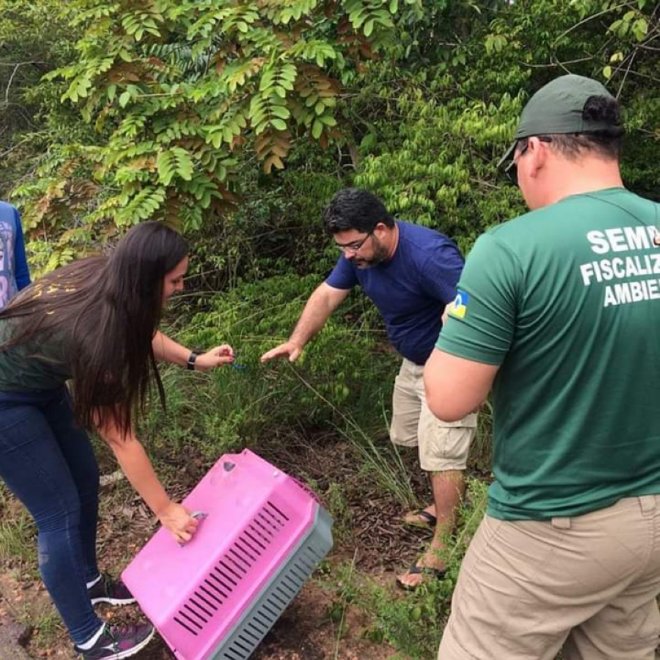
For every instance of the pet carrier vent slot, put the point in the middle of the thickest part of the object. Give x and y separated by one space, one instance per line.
184 625
243 550
314 555
220 583
275 511
189 624
228 655
261 618
273 614
204 599
302 568
262 627
202 605
263 528
267 525
248 637
245 650
233 564
210 594
225 572
299 567
288 582
241 560
275 601
298 573
229 572
254 535
193 615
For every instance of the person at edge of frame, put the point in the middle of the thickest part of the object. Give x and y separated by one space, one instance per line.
558 312
14 270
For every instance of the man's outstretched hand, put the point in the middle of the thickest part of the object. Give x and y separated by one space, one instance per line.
288 349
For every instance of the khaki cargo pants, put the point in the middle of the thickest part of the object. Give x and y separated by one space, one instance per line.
587 583
442 445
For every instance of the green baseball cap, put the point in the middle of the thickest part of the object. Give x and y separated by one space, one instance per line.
557 108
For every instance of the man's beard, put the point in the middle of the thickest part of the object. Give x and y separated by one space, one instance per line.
379 256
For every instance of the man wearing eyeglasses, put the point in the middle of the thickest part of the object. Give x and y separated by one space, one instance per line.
559 312
410 273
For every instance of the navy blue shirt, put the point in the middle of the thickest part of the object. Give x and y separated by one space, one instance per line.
411 289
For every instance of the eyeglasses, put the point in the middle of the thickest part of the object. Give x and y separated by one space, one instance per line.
355 245
511 170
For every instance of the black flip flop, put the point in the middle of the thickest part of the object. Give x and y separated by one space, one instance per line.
415 569
428 521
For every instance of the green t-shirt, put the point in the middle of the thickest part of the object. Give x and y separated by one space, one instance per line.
41 364
566 300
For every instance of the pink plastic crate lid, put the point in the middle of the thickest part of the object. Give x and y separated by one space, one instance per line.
256 514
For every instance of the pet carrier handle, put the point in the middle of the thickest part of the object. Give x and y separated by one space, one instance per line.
198 515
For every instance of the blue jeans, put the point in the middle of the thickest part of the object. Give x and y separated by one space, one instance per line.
48 463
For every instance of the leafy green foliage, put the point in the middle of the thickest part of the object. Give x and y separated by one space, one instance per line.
181 91
35 37
183 97
432 156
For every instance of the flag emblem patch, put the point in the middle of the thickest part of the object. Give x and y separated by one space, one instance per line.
458 308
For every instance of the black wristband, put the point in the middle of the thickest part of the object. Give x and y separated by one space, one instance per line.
190 363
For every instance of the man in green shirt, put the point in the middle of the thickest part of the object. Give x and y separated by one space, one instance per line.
558 310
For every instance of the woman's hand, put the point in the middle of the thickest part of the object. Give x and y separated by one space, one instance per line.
167 350
178 522
216 357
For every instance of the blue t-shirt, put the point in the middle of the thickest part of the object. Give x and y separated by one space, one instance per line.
411 289
14 273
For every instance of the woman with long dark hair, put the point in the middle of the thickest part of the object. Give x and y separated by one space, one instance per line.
93 322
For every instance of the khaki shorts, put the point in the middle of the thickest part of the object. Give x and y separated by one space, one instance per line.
588 583
442 445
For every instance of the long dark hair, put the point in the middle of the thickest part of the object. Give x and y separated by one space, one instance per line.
105 310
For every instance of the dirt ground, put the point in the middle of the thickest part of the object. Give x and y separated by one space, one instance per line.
377 544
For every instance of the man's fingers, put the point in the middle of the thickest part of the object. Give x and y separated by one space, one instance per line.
273 353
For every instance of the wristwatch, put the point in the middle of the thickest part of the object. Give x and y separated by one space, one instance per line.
190 363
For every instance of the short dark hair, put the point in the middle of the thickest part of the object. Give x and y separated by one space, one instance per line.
354 208
606 142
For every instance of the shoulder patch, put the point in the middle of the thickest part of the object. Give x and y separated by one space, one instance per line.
458 307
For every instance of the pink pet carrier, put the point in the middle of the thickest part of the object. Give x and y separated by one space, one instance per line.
262 536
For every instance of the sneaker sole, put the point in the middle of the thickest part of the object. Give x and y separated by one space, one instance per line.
113 601
134 650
